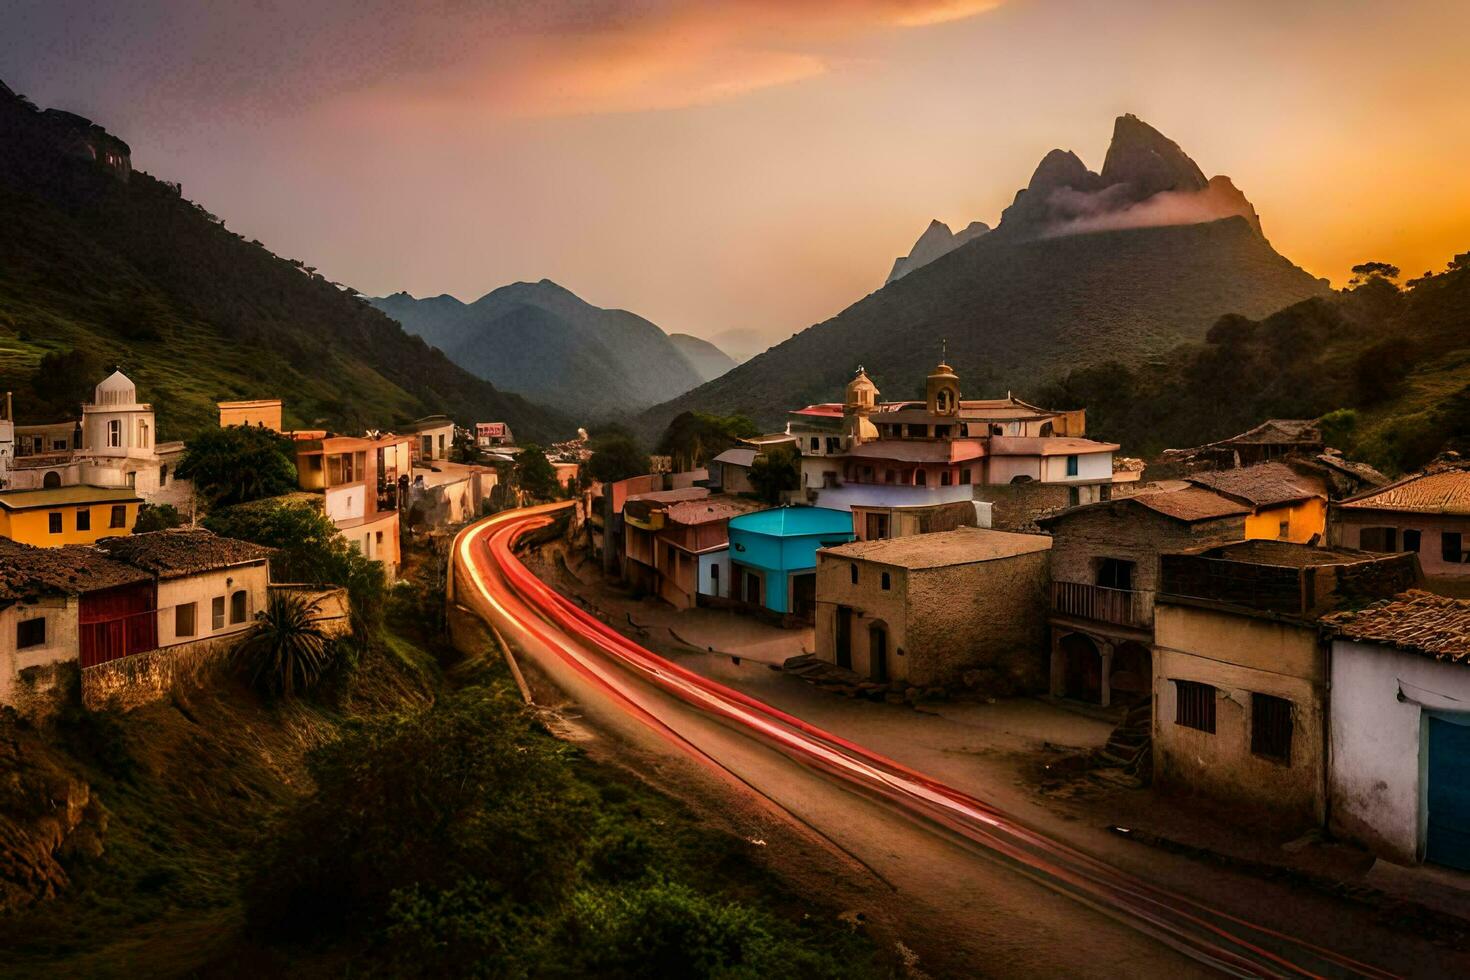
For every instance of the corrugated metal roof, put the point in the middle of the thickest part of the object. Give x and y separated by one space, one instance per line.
1442 492
1419 622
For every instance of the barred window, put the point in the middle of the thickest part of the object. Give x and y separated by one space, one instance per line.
1194 705
1271 728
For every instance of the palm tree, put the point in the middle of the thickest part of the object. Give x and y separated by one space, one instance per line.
285 650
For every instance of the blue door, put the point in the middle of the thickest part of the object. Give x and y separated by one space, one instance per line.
1449 794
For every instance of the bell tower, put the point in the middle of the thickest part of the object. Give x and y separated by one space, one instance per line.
862 395
943 388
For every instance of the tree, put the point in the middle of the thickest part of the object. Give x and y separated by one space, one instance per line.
239 463
616 456
775 471
286 650
157 517
464 449
694 438
1367 272
534 474
63 380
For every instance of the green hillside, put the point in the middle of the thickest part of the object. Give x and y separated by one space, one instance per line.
1388 367
100 266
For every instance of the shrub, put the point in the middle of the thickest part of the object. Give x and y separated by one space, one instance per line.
285 651
238 464
157 517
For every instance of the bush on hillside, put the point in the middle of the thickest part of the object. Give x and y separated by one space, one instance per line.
157 517
238 464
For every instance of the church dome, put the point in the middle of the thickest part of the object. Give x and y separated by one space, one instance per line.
116 389
861 392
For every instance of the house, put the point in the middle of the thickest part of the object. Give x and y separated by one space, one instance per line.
1427 513
1295 442
566 471
773 556
729 472
1105 570
67 515
113 444
1022 459
1285 505
263 413
1240 675
488 434
364 484
1400 708
431 439
924 610
872 522
677 543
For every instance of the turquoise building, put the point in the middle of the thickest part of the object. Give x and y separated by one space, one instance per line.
773 555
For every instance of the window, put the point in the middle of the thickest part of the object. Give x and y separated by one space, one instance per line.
834 445
143 433
58 445
30 633
1283 529
184 619
816 444
852 572
887 582
217 613
1074 496
1271 728
84 519
114 433
1412 540
1115 573
1451 546
945 479
1194 705
426 446
163 475
53 522
921 478
380 542
965 476
1072 465
239 600
714 579
917 431
1385 539
119 516
51 480
876 527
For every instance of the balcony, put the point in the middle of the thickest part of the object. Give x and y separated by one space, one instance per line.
1119 607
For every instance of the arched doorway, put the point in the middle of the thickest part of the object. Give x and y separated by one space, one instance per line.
1081 669
878 652
1132 675
51 480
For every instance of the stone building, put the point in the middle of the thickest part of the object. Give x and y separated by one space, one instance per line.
1105 569
1427 513
873 522
1285 505
1400 708
1240 671
930 609
729 472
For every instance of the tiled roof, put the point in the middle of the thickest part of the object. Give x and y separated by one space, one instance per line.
707 511
1262 485
1276 431
67 496
670 496
1445 491
961 546
174 554
1416 621
27 572
1190 504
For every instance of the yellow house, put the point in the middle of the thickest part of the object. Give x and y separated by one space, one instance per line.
1285 505
67 515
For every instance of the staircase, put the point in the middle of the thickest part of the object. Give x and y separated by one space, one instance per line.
1130 746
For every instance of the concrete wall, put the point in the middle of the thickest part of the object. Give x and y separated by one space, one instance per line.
133 681
1238 656
1304 520
711 583
202 590
34 526
1128 532
1378 760
1446 578
849 495
347 502
60 646
1091 467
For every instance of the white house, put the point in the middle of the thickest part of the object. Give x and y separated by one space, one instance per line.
1400 728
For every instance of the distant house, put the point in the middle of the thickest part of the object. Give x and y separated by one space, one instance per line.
1285 505
488 434
773 556
67 515
874 522
264 413
729 472
1427 513
1400 701
363 484
677 543
1105 571
1295 442
1241 669
926 609
431 439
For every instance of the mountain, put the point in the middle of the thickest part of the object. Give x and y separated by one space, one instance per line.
1083 268
708 361
545 342
741 343
101 265
936 240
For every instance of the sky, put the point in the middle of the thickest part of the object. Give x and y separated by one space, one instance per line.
747 164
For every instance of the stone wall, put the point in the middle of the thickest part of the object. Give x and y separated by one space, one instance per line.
1016 506
133 681
1129 532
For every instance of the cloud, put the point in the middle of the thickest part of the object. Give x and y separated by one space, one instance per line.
1102 211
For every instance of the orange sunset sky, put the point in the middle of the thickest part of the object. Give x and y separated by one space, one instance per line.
745 163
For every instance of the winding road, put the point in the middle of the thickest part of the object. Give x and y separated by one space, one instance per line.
1045 906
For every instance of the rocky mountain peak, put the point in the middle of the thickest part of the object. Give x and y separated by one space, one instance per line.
936 240
1148 160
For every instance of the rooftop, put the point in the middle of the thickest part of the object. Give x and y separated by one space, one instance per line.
962 546
65 496
428 422
1286 554
1262 485
177 553
737 457
711 509
670 496
27 572
1419 622
794 521
1442 491
1047 446
1279 432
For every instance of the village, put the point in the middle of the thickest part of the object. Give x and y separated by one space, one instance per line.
1259 624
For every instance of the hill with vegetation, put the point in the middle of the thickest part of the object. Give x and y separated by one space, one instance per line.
1084 268
101 265
708 361
1386 368
544 341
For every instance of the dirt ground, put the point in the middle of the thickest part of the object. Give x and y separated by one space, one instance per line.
1022 754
